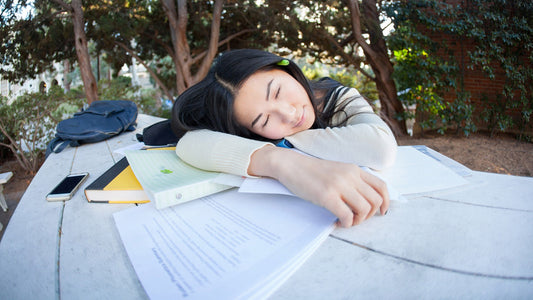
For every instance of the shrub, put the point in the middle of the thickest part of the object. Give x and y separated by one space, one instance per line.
28 124
459 114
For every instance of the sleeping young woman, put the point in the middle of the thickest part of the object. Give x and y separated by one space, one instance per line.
254 105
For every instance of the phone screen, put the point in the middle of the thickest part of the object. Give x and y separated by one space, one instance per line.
68 184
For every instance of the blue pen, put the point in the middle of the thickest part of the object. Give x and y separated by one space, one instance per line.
284 144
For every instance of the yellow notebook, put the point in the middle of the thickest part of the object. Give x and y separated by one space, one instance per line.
126 180
117 185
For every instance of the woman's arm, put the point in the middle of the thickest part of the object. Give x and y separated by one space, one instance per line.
364 144
217 151
365 139
344 189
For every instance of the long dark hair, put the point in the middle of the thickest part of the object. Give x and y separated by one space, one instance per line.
209 103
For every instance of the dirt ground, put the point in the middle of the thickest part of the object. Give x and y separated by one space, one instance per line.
13 190
500 154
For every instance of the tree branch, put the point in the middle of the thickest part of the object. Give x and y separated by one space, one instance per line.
63 4
347 57
15 148
355 15
160 42
220 43
152 73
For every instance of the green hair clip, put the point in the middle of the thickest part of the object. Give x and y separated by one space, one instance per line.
283 62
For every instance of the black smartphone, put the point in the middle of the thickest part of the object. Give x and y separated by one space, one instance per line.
67 187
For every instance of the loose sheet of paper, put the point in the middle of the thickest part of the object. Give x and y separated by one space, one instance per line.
448 162
224 246
272 186
122 151
414 172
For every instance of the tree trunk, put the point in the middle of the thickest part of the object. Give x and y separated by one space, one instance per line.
377 55
66 72
182 58
213 42
98 67
177 18
82 52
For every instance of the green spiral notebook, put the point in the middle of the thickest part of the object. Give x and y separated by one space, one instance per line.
168 180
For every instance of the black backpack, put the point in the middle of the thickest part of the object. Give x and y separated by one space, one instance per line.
159 134
101 120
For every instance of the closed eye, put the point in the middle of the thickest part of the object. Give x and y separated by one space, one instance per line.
266 121
277 92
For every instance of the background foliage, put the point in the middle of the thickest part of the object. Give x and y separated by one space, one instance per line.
502 34
319 34
28 124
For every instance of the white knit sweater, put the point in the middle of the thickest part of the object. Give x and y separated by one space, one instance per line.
364 140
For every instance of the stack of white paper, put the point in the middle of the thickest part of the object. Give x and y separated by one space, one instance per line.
226 246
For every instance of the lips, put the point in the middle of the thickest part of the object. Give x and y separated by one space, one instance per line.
301 119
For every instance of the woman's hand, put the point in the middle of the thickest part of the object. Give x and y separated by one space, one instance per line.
350 193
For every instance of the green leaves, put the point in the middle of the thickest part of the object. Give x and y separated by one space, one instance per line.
28 124
496 39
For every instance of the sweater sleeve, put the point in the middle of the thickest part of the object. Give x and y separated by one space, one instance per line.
217 151
365 140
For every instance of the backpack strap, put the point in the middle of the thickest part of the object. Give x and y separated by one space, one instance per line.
58 144
126 125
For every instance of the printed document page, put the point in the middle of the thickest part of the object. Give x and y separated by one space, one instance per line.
226 246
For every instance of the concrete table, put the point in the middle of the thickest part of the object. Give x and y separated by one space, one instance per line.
475 241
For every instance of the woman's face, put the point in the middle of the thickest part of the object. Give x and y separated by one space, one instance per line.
273 105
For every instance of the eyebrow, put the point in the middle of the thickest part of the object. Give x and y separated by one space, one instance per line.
268 89
266 99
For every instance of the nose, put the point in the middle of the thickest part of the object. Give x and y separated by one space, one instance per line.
287 112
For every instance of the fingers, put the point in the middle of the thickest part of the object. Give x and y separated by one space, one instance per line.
362 209
353 208
364 203
374 198
361 203
343 212
344 189
380 187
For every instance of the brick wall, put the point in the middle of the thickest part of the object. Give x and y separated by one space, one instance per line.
475 81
